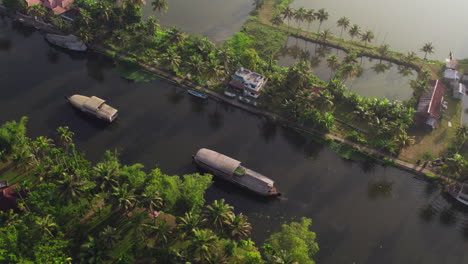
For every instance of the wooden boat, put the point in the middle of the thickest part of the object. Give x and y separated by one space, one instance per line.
68 42
197 94
93 105
459 192
230 170
229 94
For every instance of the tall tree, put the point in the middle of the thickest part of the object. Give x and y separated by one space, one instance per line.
428 48
160 5
218 213
277 20
238 227
333 63
367 37
299 16
70 188
324 35
354 31
321 16
309 17
343 23
287 14
202 244
37 11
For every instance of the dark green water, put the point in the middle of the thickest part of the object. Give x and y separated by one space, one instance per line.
362 212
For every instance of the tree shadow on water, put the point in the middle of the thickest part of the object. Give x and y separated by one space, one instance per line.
5 44
267 130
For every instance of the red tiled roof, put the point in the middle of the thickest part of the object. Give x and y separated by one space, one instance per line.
8 197
430 102
57 6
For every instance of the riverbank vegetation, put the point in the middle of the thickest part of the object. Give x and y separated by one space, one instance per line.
76 211
293 92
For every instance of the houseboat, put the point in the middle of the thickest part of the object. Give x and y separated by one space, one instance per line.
459 192
231 170
93 105
68 42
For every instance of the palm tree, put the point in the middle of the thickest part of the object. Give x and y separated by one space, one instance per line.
309 17
92 251
299 16
410 56
197 66
70 188
321 16
85 17
160 231
175 36
172 60
65 135
287 13
238 226
354 31
104 11
333 63
109 237
36 11
123 199
325 34
276 20
403 140
225 55
462 134
190 222
105 178
217 213
46 225
159 5
343 23
367 37
455 165
427 48
151 202
152 25
202 244
383 49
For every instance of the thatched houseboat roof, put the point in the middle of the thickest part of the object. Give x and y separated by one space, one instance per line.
217 160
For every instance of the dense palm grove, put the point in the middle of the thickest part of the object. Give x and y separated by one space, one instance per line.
79 212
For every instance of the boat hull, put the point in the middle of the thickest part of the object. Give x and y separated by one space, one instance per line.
197 94
221 175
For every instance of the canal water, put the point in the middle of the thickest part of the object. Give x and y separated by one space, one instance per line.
378 78
213 18
404 25
362 212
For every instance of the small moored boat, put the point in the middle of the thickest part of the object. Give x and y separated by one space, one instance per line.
68 42
93 105
459 192
231 170
229 94
197 94
247 101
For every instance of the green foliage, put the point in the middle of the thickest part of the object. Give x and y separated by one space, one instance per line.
134 73
239 43
356 137
295 243
250 59
428 156
266 41
12 137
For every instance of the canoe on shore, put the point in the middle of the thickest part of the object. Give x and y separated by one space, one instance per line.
230 170
197 94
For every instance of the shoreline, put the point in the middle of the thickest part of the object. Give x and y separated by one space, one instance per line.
183 83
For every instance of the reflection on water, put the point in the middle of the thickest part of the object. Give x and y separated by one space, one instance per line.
161 124
376 78
404 25
213 18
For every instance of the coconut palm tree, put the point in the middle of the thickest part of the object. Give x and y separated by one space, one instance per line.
324 35
151 202
46 225
109 237
287 13
37 11
333 63
410 56
309 17
354 31
123 199
92 251
197 66
321 16
104 10
152 25
403 140
65 135
70 188
160 231
201 244
238 227
277 20
367 37
428 48
299 16
171 59
175 36
343 23
160 5
258 3
217 213
190 222
225 55
455 165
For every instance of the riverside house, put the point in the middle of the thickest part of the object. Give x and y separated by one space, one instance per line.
430 105
9 195
56 6
248 82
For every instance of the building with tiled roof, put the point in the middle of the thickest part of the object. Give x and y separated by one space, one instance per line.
57 6
430 105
